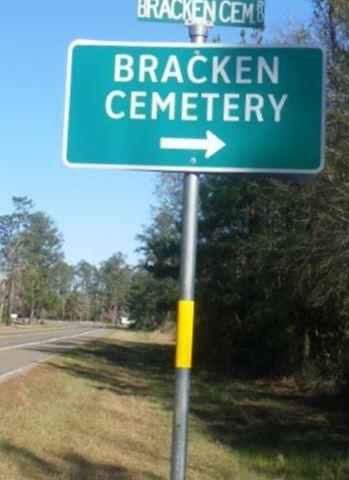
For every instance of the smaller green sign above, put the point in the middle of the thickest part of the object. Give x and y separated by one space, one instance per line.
229 13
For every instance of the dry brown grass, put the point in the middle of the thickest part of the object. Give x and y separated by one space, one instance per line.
104 412
85 417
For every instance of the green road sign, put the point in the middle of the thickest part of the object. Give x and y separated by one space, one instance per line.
243 13
184 107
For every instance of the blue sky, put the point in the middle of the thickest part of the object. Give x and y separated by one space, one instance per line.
98 212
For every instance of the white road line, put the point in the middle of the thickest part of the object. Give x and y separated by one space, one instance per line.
51 340
4 333
6 375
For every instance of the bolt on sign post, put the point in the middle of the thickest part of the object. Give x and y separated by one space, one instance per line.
194 109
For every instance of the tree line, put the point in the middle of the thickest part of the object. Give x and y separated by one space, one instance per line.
36 282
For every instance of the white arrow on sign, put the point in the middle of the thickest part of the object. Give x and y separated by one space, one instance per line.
212 144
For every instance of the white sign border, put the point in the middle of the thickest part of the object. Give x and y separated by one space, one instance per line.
190 169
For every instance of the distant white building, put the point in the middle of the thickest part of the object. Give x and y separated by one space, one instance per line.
126 322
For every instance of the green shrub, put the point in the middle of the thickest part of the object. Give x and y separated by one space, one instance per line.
337 469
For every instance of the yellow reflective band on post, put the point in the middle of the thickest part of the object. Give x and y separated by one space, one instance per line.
185 331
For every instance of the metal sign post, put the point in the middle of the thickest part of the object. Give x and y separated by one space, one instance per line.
186 305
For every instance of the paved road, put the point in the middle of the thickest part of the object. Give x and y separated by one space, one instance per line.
21 349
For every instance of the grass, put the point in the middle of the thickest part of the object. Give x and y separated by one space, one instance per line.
104 412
